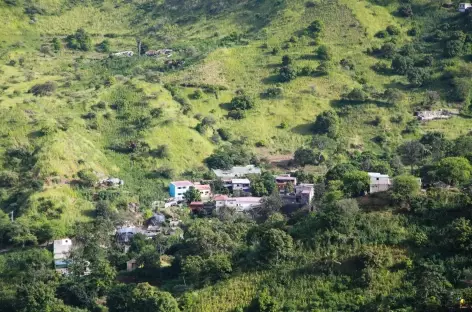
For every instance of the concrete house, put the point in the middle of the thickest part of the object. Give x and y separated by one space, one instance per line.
379 182
205 191
62 249
283 179
463 7
239 203
241 185
177 189
305 193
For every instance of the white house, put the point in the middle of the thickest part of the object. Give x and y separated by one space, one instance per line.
241 184
205 191
236 172
177 189
305 193
240 203
379 182
62 249
463 7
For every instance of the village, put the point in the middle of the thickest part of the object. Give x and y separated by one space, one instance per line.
238 197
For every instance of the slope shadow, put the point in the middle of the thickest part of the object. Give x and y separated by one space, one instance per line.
303 129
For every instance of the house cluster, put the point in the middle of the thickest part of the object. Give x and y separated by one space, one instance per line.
239 186
437 114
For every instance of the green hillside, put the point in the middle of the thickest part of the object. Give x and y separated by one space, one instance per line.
247 81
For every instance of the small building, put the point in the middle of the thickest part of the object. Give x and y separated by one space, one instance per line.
283 179
236 172
111 182
125 234
464 7
205 191
124 53
305 193
436 114
241 185
197 206
177 189
379 182
61 250
131 265
239 203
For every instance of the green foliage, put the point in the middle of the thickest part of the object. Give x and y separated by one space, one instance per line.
262 185
56 44
242 102
405 187
139 298
87 177
418 76
402 64
287 73
324 53
355 183
315 28
44 89
79 41
275 245
393 30
327 123
192 195
454 170
307 156
356 95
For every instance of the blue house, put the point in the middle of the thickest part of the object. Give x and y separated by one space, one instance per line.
177 189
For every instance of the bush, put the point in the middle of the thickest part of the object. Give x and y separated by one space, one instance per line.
43 89
286 60
274 92
412 32
388 50
237 114
356 95
324 53
224 134
242 102
405 10
287 73
79 41
315 28
453 48
418 76
402 64
156 112
87 177
197 94
382 34
104 46
393 30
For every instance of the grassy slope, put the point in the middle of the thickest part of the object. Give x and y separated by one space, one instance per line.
349 31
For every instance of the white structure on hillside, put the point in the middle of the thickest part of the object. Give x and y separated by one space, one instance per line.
305 193
236 172
62 249
379 182
463 7
240 203
177 189
205 191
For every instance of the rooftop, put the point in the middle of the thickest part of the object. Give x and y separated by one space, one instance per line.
237 171
240 181
377 175
182 183
247 199
202 187
196 203
61 248
221 197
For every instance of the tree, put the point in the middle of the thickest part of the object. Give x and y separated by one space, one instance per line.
287 73
286 60
315 28
412 153
356 95
104 46
56 44
43 89
388 50
418 76
405 187
270 204
307 156
393 30
405 10
324 53
460 234
453 48
327 123
192 195
393 96
275 245
45 49
402 64
140 298
454 170
219 160
79 41
243 102
266 303
355 183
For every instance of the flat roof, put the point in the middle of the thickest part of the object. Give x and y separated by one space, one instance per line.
377 175
202 187
182 183
240 181
237 171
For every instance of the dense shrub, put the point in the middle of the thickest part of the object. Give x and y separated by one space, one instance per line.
393 30
402 64
324 53
43 89
405 10
79 41
418 76
327 123
242 102
315 28
382 34
274 92
356 95
287 73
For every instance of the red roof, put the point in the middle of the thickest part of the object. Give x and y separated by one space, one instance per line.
203 187
220 197
199 203
182 183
